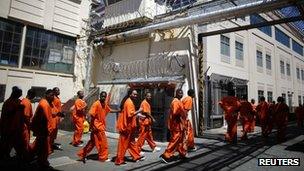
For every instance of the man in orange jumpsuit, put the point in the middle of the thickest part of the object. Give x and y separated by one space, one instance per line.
11 125
281 112
187 103
177 127
57 115
27 116
254 116
262 110
246 116
98 113
126 126
270 121
299 111
78 118
145 122
42 128
230 105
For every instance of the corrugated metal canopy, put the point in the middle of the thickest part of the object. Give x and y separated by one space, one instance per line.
293 11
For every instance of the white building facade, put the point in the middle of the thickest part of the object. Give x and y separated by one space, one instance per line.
37 44
265 62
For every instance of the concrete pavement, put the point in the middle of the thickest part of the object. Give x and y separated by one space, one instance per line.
213 153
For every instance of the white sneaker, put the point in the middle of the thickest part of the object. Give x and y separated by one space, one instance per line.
108 160
141 153
156 149
142 158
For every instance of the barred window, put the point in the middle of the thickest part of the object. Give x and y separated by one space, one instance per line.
288 69
282 67
239 52
259 56
298 73
49 51
10 41
225 45
268 61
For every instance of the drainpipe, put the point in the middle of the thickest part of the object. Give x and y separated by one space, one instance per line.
205 18
88 70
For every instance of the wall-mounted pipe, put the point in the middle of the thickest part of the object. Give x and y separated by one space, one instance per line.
204 18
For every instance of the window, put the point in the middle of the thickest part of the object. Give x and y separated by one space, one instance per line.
239 52
281 37
298 73
2 92
175 4
255 19
48 51
113 1
225 45
302 73
287 69
259 58
297 47
260 94
10 40
268 61
269 96
299 100
282 67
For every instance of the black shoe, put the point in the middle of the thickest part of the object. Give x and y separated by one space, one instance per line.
57 147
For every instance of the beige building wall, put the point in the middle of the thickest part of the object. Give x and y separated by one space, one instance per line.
60 16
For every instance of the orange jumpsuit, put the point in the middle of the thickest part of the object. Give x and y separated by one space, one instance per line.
254 118
11 127
230 105
263 114
55 119
42 128
145 127
28 114
98 137
177 126
126 126
246 117
187 102
281 111
299 111
78 117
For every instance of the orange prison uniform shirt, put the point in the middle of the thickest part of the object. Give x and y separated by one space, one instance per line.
253 121
145 127
28 114
56 119
98 137
42 128
263 114
78 117
187 102
176 125
126 126
281 112
246 117
230 105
